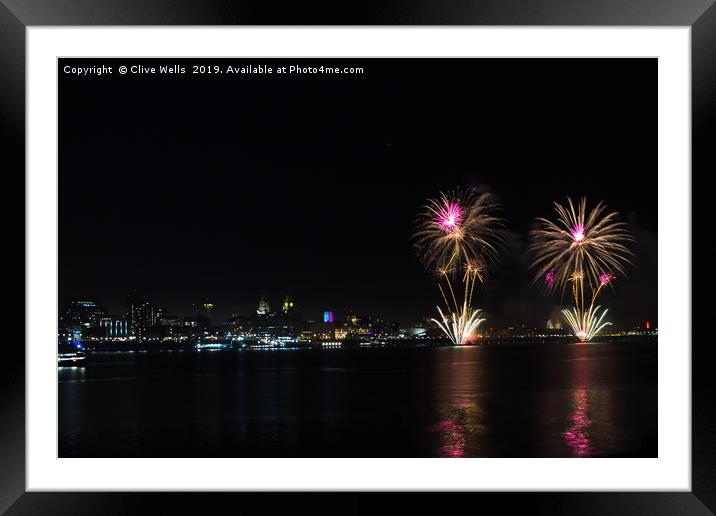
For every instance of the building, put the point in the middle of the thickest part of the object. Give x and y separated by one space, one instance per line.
290 318
284 325
196 321
239 325
314 331
204 309
358 326
263 308
114 327
82 313
165 319
142 315
80 320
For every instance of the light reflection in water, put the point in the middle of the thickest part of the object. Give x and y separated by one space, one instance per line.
577 435
459 426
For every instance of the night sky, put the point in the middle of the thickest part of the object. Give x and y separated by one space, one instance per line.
183 188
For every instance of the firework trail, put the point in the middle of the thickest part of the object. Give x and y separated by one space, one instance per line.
458 235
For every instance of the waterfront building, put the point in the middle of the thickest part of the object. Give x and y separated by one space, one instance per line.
196 321
113 327
358 325
204 309
238 325
263 308
142 315
290 318
313 331
166 319
83 313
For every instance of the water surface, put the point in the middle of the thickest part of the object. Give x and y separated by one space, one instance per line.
502 400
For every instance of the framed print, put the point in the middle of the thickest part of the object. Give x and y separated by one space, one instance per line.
436 250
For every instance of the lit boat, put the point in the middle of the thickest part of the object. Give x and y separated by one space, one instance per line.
214 345
71 358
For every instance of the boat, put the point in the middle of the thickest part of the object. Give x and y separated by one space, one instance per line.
71 358
71 355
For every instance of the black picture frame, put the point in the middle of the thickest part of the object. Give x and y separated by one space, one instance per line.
17 15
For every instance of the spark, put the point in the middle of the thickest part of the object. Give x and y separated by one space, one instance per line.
605 278
459 231
459 227
586 324
578 232
461 325
449 216
588 242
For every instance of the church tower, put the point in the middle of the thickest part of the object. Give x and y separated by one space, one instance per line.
264 308
288 304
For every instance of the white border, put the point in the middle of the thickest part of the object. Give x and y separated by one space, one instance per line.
670 471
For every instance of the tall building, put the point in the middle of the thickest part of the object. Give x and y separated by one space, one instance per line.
288 304
83 313
264 308
79 320
142 315
266 324
207 307
113 327
291 317
203 309
284 324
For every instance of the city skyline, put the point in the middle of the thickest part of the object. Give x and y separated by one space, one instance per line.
313 188
265 306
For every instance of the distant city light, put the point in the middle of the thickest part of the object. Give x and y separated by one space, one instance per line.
327 317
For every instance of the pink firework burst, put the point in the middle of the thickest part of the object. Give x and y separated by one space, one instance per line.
549 278
449 216
578 232
605 278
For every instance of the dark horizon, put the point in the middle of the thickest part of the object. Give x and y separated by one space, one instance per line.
183 188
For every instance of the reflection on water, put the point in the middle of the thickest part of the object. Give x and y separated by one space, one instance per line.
491 401
458 387
72 373
577 435
457 429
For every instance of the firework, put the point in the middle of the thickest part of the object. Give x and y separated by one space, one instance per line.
586 323
549 278
592 243
459 326
458 230
459 233
580 248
